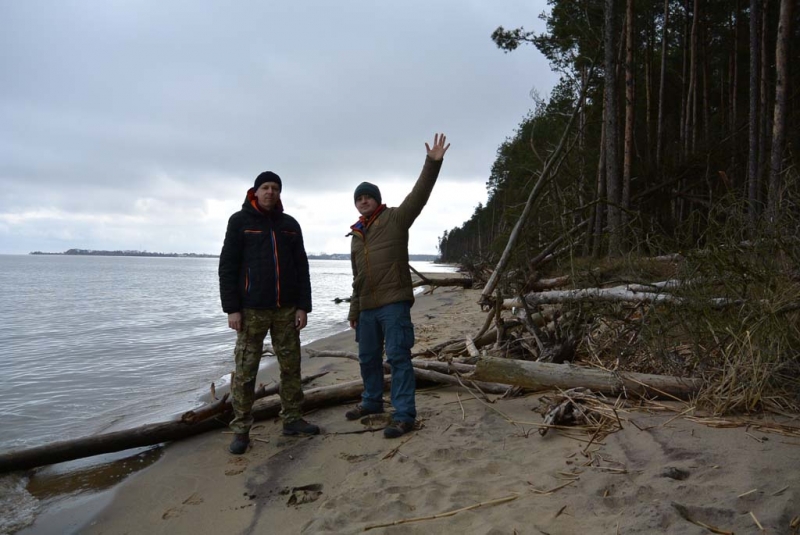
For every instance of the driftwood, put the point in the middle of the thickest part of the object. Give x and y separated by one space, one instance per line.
423 370
632 294
472 350
224 404
152 434
443 367
549 284
545 376
434 365
462 282
443 378
460 346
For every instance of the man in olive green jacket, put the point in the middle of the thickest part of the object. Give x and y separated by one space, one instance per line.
380 307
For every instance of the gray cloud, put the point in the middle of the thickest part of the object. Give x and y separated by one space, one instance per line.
152 110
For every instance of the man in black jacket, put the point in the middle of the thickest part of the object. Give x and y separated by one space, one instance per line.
265 287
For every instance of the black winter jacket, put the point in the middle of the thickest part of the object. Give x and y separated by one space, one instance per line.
263 263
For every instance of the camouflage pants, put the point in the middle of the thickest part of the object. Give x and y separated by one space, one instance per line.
247 355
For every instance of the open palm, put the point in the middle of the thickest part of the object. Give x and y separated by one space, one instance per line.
439 147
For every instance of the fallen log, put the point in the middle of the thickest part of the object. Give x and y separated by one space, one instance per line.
224 404
424 370
434 365
152 434
443 367
460 346
630 294
546 376
549 284
462 282
469 345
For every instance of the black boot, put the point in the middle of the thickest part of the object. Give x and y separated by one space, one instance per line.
397 429
239 444
300 427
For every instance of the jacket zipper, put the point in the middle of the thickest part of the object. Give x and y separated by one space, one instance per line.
369 269
277 269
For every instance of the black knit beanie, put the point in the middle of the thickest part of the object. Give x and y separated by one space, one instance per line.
268 176
365 188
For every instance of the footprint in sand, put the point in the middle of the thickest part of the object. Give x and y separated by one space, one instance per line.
239 466
194 499
354 458
174 512
376 420
304 494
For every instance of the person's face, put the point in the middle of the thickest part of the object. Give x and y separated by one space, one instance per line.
268 195
366 205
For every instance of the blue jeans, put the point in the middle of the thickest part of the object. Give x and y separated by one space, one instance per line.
389 324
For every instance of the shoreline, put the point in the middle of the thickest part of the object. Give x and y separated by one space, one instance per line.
467 452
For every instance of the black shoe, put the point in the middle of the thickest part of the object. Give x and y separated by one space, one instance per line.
300 427
239 444
358 412
397 429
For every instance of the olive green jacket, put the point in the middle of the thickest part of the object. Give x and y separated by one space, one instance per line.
379 248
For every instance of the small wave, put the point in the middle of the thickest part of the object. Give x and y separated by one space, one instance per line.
17 506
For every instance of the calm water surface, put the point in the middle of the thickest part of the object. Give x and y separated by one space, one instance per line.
95 344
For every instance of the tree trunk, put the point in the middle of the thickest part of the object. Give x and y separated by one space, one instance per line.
661 83
613 186
734 102
691 91
684 80
706 83
598 209
763 114
628 142
648 92
582 148
752 154
779 117
695 72
546 376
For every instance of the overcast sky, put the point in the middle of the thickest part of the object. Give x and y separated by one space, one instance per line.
140 124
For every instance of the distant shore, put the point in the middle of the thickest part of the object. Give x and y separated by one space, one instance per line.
90 252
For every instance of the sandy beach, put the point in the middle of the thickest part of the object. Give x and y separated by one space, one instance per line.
473 466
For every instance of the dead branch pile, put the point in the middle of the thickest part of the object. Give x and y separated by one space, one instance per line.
581 407
728 315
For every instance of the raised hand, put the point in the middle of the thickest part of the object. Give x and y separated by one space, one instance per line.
439 148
